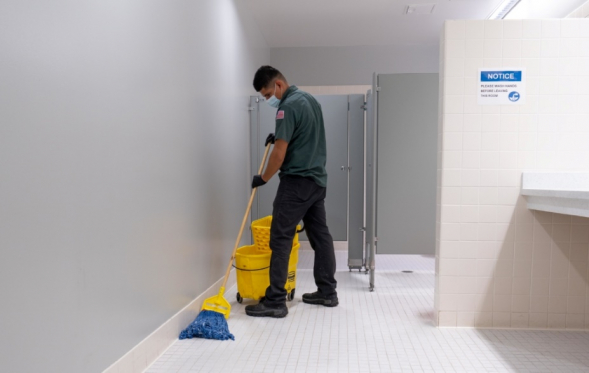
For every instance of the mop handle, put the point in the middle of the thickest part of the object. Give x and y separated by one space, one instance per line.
247 212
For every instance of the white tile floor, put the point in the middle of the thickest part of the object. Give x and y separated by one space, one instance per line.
389 330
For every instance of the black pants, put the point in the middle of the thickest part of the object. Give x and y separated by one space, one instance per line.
297 199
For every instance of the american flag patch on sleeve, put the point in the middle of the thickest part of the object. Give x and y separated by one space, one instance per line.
280 114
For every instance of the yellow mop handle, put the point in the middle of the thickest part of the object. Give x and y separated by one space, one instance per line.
247 212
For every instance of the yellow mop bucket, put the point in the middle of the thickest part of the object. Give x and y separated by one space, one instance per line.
261 233
253 272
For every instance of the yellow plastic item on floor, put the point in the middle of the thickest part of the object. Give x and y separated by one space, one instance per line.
253 272
261 233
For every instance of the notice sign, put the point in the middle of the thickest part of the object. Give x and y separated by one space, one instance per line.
502 86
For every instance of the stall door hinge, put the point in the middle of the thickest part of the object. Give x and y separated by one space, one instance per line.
377 89
364 107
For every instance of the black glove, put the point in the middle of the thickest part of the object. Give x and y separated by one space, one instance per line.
271 139
257 181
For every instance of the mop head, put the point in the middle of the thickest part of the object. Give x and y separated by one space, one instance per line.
209 325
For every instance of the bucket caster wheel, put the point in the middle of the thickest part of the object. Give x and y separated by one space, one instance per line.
290 296
239 298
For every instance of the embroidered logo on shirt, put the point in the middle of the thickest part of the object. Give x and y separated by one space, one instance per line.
280 114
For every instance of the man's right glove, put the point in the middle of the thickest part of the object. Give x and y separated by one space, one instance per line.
271 139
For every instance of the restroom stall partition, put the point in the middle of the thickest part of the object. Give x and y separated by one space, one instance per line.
344 129
401 166
371 182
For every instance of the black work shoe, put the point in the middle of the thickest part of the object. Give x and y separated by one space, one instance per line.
261 310
318 298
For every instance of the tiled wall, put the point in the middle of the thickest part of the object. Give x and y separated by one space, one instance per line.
500 264
580 12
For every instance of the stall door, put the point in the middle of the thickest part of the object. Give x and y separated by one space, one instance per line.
406 158
335 115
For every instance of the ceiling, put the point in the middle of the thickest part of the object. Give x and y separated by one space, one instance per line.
316 23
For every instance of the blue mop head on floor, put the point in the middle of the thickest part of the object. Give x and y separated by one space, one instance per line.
209 325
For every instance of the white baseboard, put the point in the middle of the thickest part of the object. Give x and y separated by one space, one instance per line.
153 346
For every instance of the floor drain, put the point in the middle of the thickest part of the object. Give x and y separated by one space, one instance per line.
407 271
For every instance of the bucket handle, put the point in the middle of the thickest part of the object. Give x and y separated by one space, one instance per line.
250 270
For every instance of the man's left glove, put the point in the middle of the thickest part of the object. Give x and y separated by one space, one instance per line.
257 181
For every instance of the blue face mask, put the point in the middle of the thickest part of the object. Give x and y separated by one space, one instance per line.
273 101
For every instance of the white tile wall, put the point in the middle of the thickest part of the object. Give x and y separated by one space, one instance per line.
580 12
500 264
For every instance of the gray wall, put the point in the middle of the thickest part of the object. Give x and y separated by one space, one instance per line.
123 169
320 66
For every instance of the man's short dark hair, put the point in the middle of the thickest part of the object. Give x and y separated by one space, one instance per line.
264 76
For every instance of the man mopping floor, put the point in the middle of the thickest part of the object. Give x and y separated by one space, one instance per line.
300 155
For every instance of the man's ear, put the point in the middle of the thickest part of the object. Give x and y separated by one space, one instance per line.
280 87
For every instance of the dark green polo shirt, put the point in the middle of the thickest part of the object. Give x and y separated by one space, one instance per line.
299 121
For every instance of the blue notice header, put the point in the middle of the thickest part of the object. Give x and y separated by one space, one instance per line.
501 76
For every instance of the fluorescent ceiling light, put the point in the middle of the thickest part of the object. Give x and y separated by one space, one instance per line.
503 9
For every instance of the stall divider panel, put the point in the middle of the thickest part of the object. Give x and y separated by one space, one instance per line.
407 166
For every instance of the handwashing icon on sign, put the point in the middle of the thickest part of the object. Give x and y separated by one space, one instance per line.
514 96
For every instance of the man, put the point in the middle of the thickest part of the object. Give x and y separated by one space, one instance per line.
300 155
